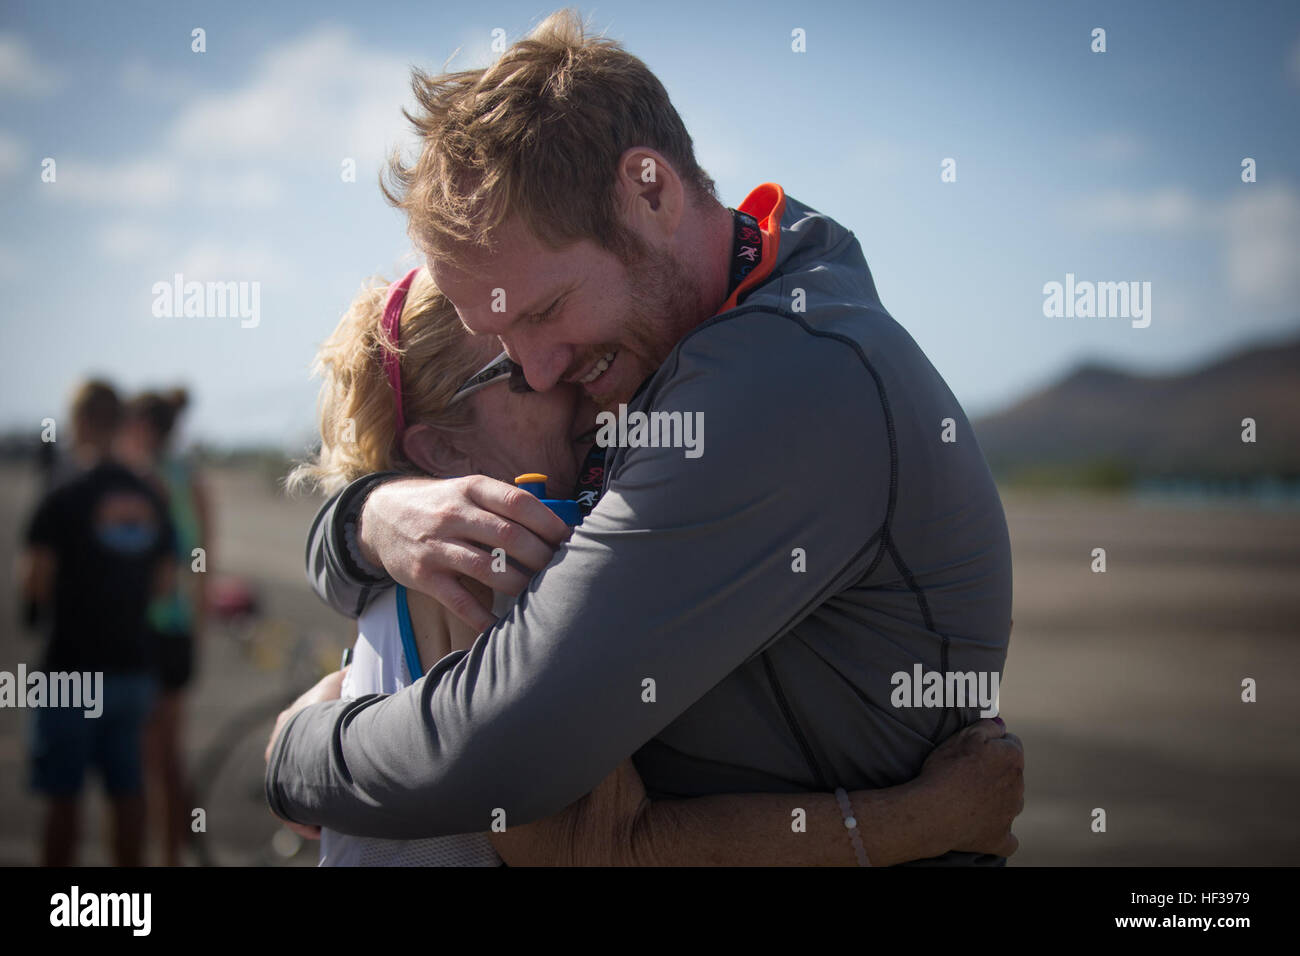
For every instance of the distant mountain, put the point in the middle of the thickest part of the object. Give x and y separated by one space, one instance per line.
1100 419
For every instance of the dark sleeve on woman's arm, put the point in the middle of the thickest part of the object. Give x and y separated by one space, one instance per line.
334 574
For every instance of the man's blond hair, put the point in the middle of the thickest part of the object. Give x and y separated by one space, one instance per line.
539 134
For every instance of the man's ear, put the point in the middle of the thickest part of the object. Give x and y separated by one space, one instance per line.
435 451
650 194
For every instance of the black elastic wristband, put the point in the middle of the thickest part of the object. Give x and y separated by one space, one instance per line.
348 510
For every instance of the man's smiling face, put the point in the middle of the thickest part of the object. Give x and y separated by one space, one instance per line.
578 314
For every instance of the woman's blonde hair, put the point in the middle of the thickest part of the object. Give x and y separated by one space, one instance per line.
358 426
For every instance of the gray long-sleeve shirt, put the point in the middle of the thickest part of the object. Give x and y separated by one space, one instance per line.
826 539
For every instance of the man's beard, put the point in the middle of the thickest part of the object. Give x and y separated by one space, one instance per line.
664 304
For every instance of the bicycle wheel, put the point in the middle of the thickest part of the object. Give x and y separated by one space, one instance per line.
238 827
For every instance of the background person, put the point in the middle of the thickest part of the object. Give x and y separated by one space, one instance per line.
176 619
98 548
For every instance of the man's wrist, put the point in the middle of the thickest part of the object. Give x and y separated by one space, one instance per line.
362 563
366 559
365 553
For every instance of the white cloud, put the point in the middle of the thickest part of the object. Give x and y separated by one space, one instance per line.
319 95
245 188
155 183
223 261
21 72
1171 209
140 182
1263 246
310 102
139 243
130 241
1256 226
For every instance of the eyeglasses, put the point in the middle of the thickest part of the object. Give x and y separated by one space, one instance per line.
500 367
391 322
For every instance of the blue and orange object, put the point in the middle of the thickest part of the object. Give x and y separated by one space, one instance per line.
566 508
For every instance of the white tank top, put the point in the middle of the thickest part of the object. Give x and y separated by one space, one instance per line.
382 663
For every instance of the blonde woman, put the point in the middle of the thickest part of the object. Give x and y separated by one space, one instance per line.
407 389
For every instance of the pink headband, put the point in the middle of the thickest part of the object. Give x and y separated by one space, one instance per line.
391 325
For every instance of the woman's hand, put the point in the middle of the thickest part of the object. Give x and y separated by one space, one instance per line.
976 778
596 830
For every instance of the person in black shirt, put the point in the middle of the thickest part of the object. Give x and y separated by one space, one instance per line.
98 549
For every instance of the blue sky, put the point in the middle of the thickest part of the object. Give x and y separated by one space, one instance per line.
225 165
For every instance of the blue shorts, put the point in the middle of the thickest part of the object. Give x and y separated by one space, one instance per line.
64 741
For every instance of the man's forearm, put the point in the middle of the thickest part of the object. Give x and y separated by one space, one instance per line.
553 696
389 766
333 572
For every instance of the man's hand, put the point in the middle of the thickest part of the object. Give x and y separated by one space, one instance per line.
431 533
977 779
329 687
